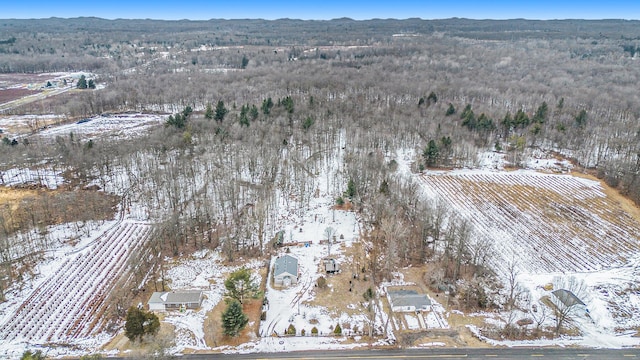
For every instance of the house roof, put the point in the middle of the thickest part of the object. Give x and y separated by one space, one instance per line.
176 297
567 297
409 298
286 264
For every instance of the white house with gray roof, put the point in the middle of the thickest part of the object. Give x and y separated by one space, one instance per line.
285 271
176 300
408 301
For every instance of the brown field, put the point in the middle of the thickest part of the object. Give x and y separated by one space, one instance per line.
7 95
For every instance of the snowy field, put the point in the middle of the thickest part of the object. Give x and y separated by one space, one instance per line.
120 126
66 301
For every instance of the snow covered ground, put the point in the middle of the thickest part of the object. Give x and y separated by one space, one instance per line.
121 126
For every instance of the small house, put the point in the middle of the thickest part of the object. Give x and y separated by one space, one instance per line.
176 300
408 301
285 271
331 266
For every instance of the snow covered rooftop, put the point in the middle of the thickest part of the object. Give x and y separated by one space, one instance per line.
286 264
176 297
408 298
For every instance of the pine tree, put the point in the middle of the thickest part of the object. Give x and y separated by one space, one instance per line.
239 285
221 111
233 319
140 323
208 113
431 153
450 110
82 82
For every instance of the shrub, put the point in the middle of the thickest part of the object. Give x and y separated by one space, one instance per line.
291 330
314 331
303 332
337 330
322 282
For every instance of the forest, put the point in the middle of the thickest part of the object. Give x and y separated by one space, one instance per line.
256 111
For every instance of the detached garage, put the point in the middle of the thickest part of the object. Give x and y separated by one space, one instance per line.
176 300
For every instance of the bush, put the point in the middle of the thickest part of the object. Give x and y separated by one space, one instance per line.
322 282
340 201
337 330
303 332
291 330
314 331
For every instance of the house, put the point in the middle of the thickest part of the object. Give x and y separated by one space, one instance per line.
568 298
408 301
331 266
285 271
175 300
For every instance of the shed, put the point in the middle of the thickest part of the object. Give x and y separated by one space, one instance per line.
175 300
331 266
408 301
568 298
285 271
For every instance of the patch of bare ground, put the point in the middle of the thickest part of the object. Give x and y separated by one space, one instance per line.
28 207
342 290
625 203
162 340
214 332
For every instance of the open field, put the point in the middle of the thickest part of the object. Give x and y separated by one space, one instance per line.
71 304
551 223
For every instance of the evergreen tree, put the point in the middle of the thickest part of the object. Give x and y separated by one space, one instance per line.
91 84
308 122
239 285
581 118
450 110
208 113
82 82
221 111
351 189
431 153
139 323
233 319
541 114
267 104
253 113
432 98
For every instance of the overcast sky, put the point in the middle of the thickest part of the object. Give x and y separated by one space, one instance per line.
327 9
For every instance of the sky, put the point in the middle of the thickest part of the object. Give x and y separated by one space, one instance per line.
323 10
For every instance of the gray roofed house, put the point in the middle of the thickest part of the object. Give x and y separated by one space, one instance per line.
285 271
568 298
408 301
175 300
